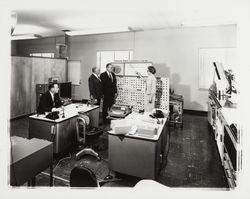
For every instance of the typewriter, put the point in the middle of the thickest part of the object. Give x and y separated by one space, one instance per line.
119 111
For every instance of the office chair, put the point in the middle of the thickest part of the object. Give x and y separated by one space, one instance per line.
81 126
81 176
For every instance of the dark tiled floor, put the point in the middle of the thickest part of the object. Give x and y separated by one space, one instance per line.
192 160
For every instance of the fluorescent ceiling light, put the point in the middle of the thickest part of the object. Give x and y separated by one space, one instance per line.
98 31
23 29
23 37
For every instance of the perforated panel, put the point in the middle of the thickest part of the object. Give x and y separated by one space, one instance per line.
131 92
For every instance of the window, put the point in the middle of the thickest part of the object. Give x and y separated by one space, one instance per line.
104 57
50 55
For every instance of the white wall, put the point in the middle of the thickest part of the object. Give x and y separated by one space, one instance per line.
84 49
174 52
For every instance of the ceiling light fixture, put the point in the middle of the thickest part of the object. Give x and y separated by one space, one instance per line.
24 37
98 31
29 29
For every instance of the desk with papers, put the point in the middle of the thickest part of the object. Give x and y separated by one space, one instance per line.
63 128
138 154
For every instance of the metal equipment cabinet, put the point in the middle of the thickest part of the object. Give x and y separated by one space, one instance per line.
228 139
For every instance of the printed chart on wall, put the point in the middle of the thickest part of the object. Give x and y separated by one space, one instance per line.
132 68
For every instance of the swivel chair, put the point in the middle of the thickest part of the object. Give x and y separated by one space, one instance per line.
81 126
81 176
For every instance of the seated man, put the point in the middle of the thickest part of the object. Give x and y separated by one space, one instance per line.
50 100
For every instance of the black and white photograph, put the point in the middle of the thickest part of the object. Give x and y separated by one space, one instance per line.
107 99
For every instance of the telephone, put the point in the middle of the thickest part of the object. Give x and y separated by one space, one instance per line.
158 114
53 115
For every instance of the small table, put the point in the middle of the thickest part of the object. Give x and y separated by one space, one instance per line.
63 128
176 104
138 155
29 158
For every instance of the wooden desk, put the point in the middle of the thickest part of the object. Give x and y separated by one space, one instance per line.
64 128
137 155
29 158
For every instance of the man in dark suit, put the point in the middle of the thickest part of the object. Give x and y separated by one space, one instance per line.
109 90
50 100
95 86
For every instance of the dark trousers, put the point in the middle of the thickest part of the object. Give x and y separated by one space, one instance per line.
108 101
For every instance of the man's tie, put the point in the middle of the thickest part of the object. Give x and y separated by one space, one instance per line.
53 97
110 76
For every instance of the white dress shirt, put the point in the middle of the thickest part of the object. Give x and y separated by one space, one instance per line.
110 75
52 95
97 76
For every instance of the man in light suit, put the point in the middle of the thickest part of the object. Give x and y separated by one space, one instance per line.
50 100
95 86
109 90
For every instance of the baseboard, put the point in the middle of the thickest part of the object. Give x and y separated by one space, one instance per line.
194 112
21 116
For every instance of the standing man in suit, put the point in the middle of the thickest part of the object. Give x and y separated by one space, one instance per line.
109 90
95 86
50 100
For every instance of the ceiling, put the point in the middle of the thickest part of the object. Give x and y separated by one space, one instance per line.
50 21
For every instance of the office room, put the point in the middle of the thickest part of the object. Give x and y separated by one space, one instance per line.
131 96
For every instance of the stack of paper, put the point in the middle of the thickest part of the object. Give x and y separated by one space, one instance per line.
122 126
149 131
